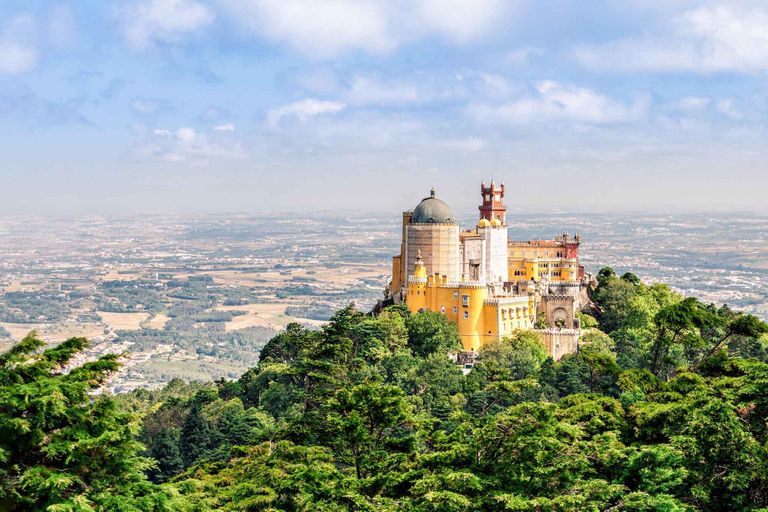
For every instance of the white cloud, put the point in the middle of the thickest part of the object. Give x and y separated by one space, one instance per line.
495 86
331 27
18 45
229 127
303 110
460 20
149 21
469 145
690 104
323 28
555 102
369 90
706 39
15 58
727 108
524 55
187 145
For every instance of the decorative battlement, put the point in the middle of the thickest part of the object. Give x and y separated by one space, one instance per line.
565 284
538 243
559 298
559 332
500 301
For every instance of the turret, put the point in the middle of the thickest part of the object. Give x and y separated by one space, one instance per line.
492 206
419 270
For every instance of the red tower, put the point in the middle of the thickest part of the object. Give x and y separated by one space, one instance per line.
493 206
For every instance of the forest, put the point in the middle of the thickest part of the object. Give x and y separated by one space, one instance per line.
663 408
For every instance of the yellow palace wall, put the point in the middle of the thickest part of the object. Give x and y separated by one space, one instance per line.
478 322
561 269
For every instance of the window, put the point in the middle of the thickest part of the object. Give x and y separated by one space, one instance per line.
455 294
455 310
466 315
442 309
465 301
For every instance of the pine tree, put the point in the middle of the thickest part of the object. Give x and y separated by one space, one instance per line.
165 451
195 436
61 448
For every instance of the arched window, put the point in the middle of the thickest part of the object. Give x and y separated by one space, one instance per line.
442 309
466 315
455 310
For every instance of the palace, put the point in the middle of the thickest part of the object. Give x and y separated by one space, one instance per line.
486 283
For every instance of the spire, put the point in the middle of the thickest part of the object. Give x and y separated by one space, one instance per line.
432 192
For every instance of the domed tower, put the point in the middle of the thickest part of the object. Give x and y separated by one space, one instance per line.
433 231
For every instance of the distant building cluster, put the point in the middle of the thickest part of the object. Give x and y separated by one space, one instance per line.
486 283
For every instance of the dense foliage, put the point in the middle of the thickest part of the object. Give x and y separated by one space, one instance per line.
62 449
663 408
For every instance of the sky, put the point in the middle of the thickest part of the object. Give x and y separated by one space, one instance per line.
111 106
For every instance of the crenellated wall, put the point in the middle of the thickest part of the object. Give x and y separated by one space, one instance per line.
560 342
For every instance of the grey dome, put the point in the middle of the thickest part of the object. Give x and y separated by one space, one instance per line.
432 211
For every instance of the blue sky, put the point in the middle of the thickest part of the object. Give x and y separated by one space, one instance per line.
250 105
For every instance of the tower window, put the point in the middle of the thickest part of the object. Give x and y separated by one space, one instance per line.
442 309
466 315
455 310
465 301
455 294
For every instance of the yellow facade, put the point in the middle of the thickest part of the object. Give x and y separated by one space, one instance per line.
480 318
536 260
554 269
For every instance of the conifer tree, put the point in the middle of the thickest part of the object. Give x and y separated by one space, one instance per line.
195 436
60 447
165 451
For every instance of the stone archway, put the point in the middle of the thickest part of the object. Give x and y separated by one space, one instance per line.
559 317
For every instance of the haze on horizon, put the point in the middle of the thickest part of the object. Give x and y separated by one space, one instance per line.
253 105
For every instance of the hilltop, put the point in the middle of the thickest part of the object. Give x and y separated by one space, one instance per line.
662 408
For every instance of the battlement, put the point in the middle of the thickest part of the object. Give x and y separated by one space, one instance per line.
565 284
501 301
559 332
558 298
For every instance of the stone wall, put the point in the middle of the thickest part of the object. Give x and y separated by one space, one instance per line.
439 246
559 342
